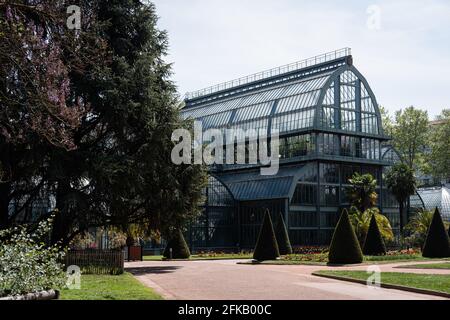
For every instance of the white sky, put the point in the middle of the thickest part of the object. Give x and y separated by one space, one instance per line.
406 60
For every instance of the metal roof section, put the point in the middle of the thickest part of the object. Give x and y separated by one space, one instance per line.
248 186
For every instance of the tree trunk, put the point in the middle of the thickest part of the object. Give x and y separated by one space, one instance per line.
402 222
4 205
61 223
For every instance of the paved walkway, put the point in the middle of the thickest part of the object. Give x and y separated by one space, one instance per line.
226 280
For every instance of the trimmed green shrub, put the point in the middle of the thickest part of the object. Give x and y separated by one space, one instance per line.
180 249
344 248
266 247
374 244
284 244
437 242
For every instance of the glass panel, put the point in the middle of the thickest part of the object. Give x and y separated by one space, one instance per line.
348 120
328 144
329 195
294 121
329 172
329 219
348 171
369 123
350 146
309 173
298 219
253 112
329 117
305 195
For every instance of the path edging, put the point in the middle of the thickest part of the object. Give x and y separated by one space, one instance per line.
386 285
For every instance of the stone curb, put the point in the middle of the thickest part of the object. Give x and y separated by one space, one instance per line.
386 285
42 295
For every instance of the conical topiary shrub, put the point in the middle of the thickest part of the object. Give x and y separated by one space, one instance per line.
437 242
281 233
180 249
374 244
344 248
266 246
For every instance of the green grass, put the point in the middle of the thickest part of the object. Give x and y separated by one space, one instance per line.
109 287
206 257
445 265
435 282
395 258
322 259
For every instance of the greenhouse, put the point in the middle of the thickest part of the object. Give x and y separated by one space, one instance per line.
433 197
329 126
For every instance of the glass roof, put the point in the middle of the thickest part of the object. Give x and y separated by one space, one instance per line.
336 98
437 197
302 93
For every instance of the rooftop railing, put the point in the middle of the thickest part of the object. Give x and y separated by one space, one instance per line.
329 56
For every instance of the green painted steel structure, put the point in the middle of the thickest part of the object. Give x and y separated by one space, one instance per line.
329 125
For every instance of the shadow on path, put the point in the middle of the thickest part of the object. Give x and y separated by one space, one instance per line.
152 270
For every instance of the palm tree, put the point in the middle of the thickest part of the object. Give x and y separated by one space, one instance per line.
361 222
402 183
418 226
362 192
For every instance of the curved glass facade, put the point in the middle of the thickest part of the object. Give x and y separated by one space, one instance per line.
431 198
217 225
329 127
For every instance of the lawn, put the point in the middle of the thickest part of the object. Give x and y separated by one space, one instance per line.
322 259
212 256
109 287
444 265
435 282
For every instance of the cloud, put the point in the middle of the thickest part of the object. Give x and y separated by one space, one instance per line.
406 61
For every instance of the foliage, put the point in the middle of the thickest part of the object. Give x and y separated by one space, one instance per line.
386 120
83 240
410 134
309 249
307 257
284 244
40 111
374 244
180 249
418 227
439 157
362 191
344 246
402 183
125 145
266 246
27 264
437 243
361 222
86 240
112 166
